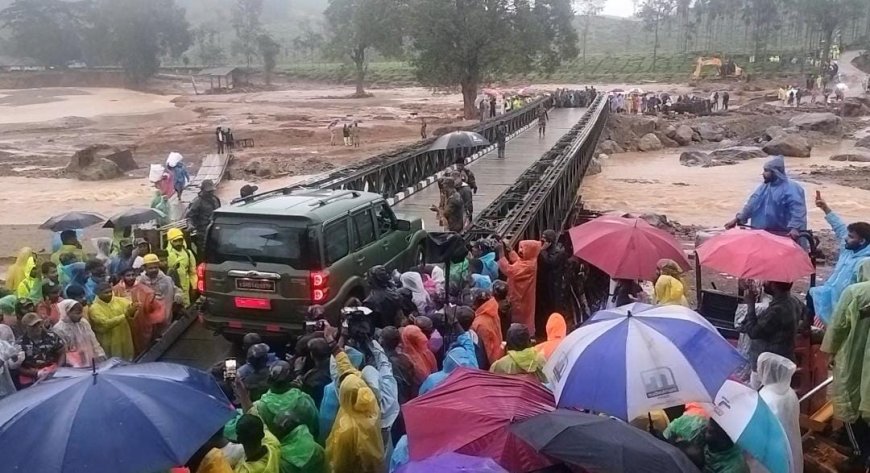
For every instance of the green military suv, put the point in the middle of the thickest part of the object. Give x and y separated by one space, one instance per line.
272 255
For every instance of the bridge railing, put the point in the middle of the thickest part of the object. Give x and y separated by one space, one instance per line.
543 196
395 171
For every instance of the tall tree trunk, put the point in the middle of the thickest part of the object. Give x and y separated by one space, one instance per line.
469 96
359 60
586 22
655 45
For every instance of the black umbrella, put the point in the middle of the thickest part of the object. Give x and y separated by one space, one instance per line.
601 443
72 221
134 216
459 139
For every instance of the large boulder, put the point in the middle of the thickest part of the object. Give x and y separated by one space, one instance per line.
642 126
670 131
609 147
825 122
683 135
695 158
738 153
772 132
711 132
100 170
594 166
855 107
649 142
789 145
863 142
852 157
86 157
666 142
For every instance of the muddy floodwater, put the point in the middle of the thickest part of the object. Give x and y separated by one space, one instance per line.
709 197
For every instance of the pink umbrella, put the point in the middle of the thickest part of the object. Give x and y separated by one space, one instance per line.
756 254
625 248
471 413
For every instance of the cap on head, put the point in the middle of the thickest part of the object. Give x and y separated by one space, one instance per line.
207 186
125 243
174 234
31 319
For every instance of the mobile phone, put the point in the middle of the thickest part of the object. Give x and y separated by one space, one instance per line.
230 369
818 194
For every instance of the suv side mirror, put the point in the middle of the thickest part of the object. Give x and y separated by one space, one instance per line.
403 225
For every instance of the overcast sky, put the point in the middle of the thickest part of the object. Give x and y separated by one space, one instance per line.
619 8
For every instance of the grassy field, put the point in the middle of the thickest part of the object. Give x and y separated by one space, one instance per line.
598 68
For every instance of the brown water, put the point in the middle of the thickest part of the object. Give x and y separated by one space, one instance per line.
709 197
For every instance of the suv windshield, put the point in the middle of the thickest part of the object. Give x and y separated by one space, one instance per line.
291 243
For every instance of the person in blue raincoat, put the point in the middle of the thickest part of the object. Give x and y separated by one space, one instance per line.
456 357
854 249
777 205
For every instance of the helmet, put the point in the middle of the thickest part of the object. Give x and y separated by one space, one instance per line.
174 234
150 258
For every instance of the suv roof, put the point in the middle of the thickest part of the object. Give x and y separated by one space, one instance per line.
316 205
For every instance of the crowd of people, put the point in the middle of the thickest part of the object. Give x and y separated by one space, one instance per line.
70 310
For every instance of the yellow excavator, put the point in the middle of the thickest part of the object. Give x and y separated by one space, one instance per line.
725 69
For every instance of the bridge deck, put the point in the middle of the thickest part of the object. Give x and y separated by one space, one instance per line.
494 175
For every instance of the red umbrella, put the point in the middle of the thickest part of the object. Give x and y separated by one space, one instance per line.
625 248
755 254
471 412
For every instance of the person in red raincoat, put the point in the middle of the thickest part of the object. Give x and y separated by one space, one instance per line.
521 269
151 312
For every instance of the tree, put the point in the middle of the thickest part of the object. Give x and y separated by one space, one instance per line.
827 16
208 46
135 33
588 9
49 31
309 41
762 15
269 51
246 23
357 26
654 13
461 42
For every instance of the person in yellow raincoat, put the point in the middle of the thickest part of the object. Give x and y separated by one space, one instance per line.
182 261
16 273
69 244
262 449
669 286
109 317
355 444
522 357
31 286
846 342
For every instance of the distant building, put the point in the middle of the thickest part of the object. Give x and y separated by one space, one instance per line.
223 77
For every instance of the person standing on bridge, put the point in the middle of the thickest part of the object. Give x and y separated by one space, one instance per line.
466 174
219 139
465 193
454 208
500 139
423 126
543 118
181 260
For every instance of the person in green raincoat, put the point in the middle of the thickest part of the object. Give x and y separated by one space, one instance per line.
846 343
7 311
283 397
522 357
182 261
300 453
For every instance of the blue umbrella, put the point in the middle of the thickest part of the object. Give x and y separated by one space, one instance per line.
452 462
638 358
127 419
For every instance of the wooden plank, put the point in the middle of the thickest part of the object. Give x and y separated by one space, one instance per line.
495 175
213 167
